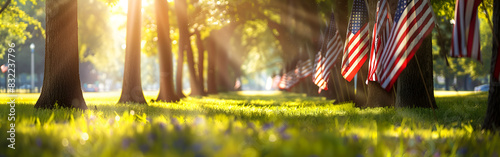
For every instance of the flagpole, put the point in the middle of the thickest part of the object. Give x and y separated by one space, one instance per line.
426 90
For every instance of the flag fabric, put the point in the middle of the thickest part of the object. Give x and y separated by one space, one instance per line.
318 65
289 80
305 68
333 48
357 42
276 82
466 30
4 68
413 21
282 84
381 30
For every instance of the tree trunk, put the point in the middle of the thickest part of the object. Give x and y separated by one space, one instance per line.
342 19
201 58
376 95
411 91
361 88
132 88
212 53
492 119
61 83
167 92
184 41
180 69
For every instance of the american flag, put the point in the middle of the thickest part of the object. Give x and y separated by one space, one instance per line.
333 50
381 31
305 68
318 64
289 79
357 43
413 22
466 30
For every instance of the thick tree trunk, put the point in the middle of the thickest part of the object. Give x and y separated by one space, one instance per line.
411 91
167 92
342 19
376 95
361 88
492 119
61 83
211 73
184 41
132 88
201 58
180 69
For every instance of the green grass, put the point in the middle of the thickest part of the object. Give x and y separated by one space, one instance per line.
248 124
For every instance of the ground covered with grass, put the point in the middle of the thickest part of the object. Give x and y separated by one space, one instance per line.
248 124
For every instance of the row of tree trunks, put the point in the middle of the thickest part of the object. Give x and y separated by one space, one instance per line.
61 83
132 88
167 91
219 65
185 46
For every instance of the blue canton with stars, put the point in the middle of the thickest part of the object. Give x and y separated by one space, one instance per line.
401 8
359 15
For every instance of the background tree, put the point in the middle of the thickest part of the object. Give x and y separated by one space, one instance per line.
181 7
132 88
167 92
61 83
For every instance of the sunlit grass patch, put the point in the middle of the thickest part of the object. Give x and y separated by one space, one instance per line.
248 124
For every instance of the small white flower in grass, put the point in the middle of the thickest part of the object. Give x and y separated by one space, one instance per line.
117 118
85 136
272 138
65 142
132 112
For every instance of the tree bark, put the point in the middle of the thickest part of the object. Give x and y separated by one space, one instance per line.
184 41
167 92
492 119
361 88
180 69
342 19
5 5
212 59
411 91
201 58
61 83
132 88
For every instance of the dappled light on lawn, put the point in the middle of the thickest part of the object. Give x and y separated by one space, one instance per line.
235 123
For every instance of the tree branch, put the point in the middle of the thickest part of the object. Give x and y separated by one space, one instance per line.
5 6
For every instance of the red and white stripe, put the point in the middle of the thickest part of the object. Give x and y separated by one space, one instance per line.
319 73
306 68
466 30
416 23
355 52
381 31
